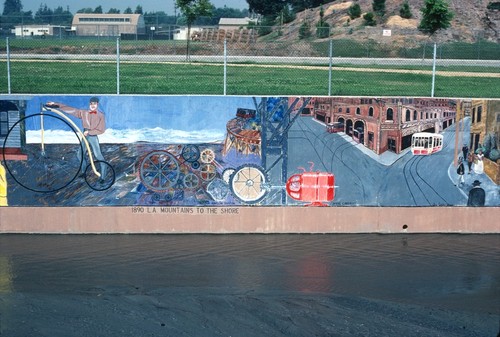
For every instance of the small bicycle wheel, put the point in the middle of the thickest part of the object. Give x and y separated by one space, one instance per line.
207 156
52 163
208 172
100 183
190 153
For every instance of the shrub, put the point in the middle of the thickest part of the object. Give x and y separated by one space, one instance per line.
304 31
369 19
405 11
354 11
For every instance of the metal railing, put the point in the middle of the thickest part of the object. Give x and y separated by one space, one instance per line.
248 66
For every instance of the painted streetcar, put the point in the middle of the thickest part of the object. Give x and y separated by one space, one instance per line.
426 143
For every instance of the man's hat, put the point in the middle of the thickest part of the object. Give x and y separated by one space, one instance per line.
476 183
94 100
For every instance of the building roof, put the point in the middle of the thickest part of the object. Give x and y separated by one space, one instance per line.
235 21
92 18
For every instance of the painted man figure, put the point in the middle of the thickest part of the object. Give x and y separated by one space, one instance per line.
94 124
460 172
477 195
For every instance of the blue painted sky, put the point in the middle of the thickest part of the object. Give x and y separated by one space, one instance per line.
179 119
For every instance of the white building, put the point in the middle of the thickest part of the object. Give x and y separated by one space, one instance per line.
181 33
39 30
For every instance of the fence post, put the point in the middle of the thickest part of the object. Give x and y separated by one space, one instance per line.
330 69
8 67
225 66
433 70
117 65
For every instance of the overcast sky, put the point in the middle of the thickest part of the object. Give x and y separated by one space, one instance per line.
166 6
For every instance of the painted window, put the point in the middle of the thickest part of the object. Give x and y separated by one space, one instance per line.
390 114
479 112
4 123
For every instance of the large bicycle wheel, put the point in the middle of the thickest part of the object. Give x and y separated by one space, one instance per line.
51 149
248 183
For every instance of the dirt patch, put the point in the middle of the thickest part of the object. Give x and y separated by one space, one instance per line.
338 7
397 21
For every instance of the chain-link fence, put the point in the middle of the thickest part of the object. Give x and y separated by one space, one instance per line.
243 64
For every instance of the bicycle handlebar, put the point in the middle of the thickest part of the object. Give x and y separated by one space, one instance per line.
54 108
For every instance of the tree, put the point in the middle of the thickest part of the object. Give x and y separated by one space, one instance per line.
128 10
98 10
191 10
405 11
12 7
300 5
86 10
379 7
322 28
304 30
13 14
435 16
268 7
113 11
354 11
138 10
43 15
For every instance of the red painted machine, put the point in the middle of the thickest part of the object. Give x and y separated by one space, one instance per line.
313 187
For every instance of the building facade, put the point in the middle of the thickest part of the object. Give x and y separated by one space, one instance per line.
485 134
40 30
107 24
386 124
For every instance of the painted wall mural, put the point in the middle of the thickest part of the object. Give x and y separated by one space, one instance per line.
229 150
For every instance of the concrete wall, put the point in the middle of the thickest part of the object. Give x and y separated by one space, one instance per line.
220 220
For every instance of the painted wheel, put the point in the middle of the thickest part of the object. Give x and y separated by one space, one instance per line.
208 172
190 153
248 182
49 166
159 170
191 180
207 156
169 194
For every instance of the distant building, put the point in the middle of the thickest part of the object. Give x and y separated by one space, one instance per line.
181 33
107 24
39 30
235 23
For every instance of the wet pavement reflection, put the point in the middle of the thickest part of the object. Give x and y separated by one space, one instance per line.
452 272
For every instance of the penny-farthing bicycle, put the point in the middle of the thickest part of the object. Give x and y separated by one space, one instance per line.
52 166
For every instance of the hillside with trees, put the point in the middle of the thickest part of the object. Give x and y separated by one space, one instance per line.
469 21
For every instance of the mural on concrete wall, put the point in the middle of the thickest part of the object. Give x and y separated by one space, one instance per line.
223 151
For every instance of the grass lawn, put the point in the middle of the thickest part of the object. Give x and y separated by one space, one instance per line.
64 77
